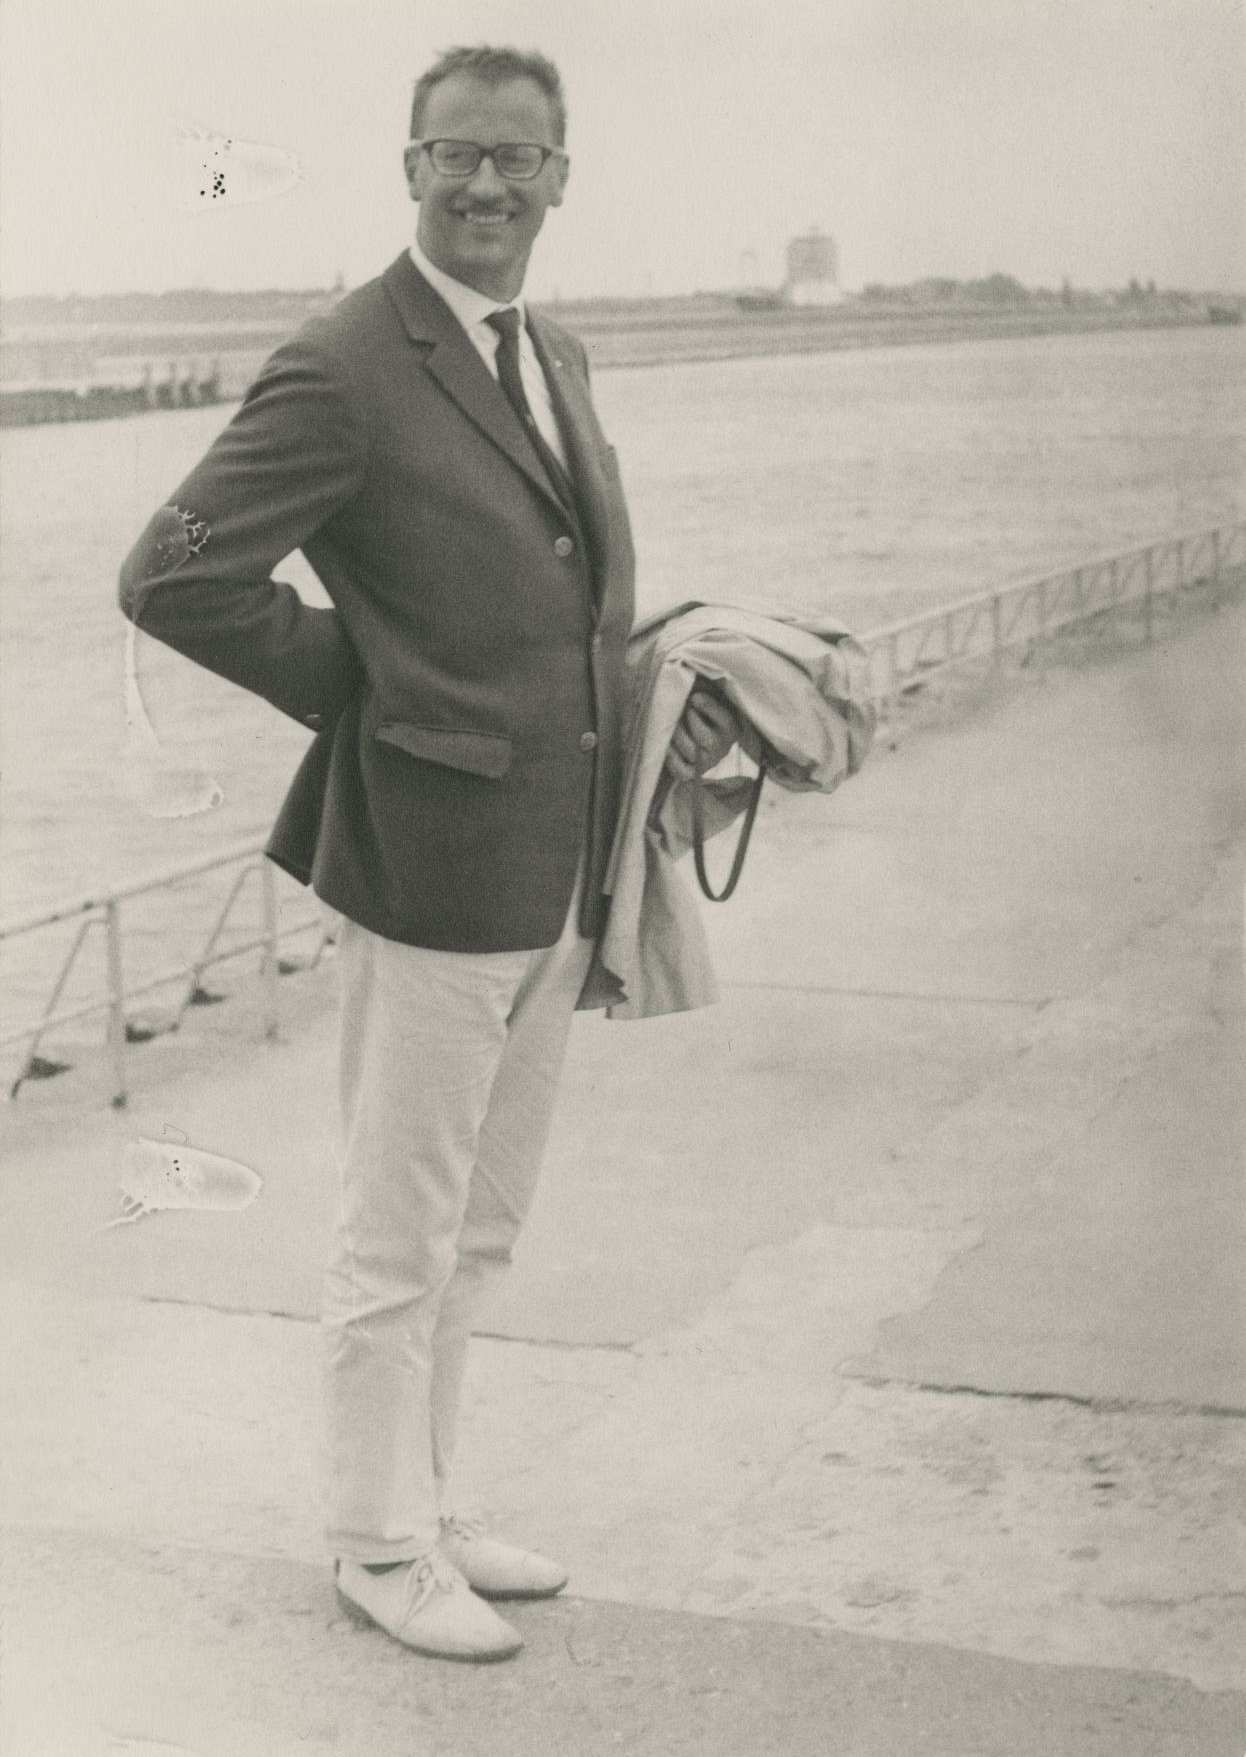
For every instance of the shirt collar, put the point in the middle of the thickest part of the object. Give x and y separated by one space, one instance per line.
468 305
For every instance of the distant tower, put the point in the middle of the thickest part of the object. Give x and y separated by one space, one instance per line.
813 270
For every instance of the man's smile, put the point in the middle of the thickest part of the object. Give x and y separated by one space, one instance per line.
475 216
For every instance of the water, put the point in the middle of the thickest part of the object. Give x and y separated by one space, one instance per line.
881 483
874 483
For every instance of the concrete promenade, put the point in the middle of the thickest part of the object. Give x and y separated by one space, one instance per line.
875 1359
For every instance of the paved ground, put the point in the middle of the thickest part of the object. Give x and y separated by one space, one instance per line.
876 1358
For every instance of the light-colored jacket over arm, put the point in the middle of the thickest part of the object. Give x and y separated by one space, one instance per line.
799 686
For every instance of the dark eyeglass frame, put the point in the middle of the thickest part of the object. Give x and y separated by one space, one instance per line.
491 153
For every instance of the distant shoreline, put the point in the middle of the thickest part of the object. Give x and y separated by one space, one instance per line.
786 332
615 333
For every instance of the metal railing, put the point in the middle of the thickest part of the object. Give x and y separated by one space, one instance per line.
104 913
904 657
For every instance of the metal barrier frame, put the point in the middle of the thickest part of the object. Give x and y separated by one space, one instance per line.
907 654
105 912
903 657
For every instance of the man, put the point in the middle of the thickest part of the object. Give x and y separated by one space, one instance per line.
440 465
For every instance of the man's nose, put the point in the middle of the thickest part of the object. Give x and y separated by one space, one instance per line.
486 180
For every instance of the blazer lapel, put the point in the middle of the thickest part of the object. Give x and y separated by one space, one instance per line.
578 426
458 368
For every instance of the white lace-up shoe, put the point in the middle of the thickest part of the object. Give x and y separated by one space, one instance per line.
429 1607
494 1569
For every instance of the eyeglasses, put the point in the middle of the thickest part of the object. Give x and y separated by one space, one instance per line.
516 160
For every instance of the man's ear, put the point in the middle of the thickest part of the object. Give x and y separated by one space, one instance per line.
560 181
411 166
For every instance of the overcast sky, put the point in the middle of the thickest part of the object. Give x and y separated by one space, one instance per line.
1097 139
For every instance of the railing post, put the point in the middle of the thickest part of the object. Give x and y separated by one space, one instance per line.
1040 644
116 1001
1148 598
204 959
323 938
268 886
949 656
893 692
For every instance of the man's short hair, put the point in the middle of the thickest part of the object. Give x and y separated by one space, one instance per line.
493 67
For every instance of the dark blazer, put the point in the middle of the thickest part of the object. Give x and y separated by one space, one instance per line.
467 687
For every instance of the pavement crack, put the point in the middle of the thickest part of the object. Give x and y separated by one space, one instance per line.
1025 1003
294 1317
227 1311
1101 1405
557 1342
1153 1602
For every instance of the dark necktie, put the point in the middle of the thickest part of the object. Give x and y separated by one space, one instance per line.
506 323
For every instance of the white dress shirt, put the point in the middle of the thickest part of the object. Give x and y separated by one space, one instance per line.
472 308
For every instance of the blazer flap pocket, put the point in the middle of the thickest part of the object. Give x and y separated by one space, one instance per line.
480 753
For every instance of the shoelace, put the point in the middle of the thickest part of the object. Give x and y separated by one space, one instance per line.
464 1525
431 1574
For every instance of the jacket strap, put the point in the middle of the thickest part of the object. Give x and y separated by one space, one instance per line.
741 847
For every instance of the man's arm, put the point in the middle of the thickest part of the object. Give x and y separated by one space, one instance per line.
199 577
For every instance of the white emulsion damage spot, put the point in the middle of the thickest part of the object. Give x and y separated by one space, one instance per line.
218 170
160 788
158 1175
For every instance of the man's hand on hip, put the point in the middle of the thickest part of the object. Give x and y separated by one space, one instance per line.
706 732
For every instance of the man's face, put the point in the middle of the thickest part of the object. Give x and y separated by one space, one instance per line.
481 229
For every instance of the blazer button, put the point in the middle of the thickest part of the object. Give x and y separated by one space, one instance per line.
588 741
314 721
564 546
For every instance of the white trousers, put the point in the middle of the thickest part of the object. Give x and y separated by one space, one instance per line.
449 1068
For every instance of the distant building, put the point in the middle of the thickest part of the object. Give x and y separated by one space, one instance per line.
813 270
812 277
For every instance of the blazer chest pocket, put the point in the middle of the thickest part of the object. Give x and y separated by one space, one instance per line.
479 753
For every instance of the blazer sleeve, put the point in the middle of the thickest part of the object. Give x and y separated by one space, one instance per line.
199 577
